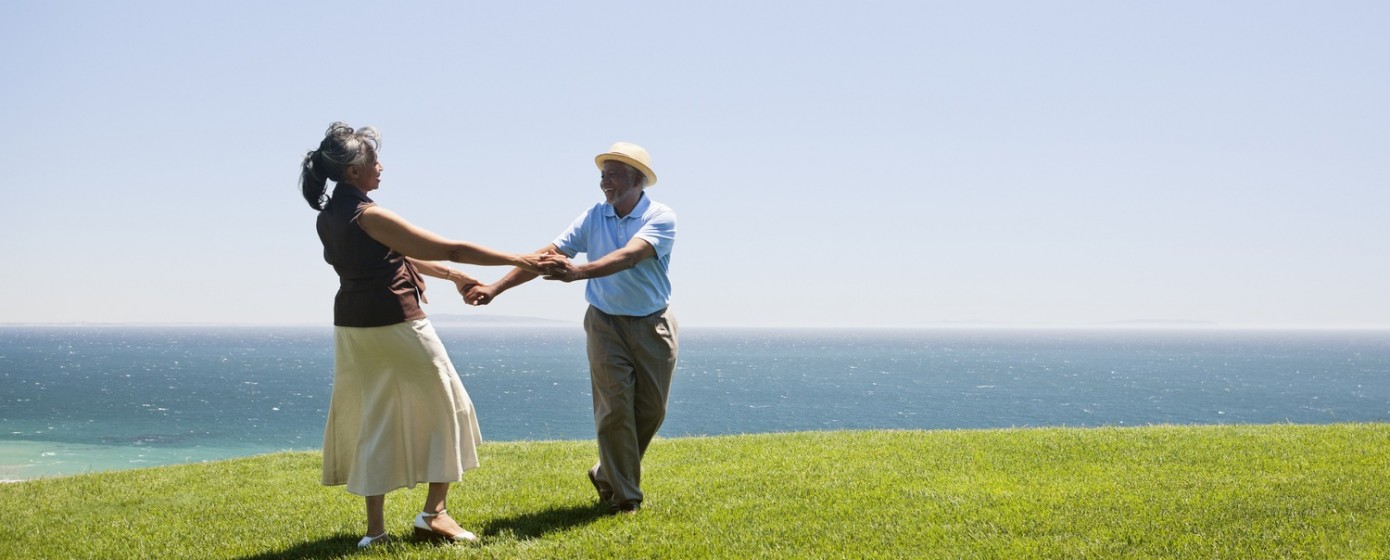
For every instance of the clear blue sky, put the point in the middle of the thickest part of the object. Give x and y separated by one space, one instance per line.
832 163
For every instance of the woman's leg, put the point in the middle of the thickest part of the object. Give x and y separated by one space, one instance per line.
376 522
435 502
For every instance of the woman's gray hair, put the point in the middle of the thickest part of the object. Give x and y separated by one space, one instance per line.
342 147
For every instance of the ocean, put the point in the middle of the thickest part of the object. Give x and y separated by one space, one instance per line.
79 399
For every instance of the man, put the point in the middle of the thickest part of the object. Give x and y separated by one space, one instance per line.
631 334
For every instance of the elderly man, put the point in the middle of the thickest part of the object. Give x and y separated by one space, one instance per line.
631 333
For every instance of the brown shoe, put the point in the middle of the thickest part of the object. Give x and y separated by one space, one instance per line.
629 508
604 495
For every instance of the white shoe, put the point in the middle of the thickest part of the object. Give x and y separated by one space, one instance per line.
423 530
369 540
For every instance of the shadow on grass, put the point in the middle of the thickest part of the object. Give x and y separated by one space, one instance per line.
344 545
526 526
335 546
535 525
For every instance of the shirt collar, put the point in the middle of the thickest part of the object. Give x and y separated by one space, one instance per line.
348 191
641 208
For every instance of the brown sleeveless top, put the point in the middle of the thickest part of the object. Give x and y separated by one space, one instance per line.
376 285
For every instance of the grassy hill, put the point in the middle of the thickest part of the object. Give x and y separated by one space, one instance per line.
1244 492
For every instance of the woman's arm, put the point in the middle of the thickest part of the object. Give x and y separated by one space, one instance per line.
421 244
461 281
441 270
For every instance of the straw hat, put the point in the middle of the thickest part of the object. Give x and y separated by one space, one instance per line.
631 154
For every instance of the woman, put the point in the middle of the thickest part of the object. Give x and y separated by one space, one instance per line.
399 415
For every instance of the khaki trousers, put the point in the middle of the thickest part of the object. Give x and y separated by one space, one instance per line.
631 360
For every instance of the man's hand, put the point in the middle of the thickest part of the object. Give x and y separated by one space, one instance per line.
463 283
464 289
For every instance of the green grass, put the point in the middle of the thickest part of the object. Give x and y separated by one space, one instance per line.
1244 492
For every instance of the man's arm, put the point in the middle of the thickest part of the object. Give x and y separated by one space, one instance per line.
559 267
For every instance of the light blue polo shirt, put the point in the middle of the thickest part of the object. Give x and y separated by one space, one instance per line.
643 289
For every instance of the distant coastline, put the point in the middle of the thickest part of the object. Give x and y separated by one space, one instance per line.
451 319
518 321
456 319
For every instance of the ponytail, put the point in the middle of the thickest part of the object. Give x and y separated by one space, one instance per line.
312 183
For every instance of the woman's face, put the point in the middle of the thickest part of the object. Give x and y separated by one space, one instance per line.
366 177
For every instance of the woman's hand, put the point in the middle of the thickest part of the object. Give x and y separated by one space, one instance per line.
532 262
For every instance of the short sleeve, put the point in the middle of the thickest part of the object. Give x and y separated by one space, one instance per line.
660 231
572 241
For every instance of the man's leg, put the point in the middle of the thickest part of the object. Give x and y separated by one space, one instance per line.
654 348
613 379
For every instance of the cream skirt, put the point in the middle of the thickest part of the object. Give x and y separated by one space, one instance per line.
399 415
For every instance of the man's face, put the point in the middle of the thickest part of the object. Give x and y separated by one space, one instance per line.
619 183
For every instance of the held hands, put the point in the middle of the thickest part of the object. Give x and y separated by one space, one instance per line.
556 266
463 283
479 294
533 262
553 266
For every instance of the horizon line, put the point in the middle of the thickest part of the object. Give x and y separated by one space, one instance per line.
502 321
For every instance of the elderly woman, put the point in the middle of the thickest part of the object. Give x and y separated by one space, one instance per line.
399 415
